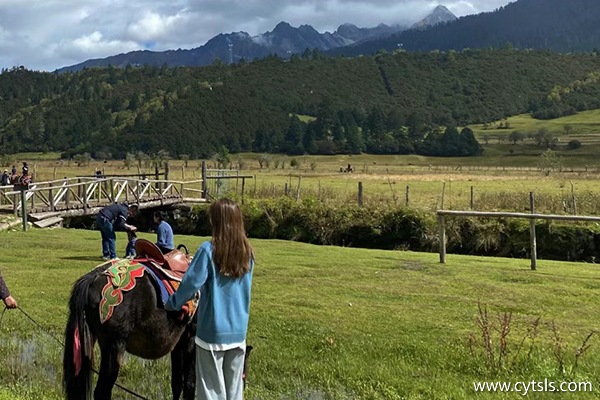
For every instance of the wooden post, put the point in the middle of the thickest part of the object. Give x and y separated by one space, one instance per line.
360 194
112 190
79 187
443 193
243 189
24 208
183 172
157 185
532 237
472 199
407 195
166 170
298 190
319 191
204 179
85 201
51 197
67 193
442 234
16 205
574 198
286 189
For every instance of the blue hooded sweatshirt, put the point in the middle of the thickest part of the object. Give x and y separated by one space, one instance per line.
224 301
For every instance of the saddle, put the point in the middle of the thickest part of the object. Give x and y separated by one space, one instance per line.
175 261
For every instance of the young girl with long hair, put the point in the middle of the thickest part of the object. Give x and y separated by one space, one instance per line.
222 271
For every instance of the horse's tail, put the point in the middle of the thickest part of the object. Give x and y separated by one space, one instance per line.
79 343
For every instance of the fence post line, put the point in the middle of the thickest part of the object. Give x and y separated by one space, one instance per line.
360 194
442 234
407 195
532 233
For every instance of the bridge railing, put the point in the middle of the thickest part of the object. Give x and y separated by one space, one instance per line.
85 193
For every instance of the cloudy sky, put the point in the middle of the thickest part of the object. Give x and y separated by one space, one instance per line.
49 34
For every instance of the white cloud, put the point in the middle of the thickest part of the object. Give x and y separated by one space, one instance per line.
153 26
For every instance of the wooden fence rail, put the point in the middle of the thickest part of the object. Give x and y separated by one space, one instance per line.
442 214
84 194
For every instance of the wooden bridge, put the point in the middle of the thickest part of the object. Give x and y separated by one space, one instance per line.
52 200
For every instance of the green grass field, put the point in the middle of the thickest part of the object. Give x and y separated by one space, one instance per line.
335 323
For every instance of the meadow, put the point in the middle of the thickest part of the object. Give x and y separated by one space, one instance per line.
500 179
337 323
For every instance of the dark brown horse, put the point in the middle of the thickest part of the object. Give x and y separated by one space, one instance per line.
139 325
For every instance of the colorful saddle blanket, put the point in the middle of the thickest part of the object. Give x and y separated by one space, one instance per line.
121 277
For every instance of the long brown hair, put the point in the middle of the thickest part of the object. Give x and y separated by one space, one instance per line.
231 250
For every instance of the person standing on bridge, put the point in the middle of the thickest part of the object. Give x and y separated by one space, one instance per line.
222 270
164 233
8 300
110 218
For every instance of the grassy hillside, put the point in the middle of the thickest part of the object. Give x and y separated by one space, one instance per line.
361 103
335 323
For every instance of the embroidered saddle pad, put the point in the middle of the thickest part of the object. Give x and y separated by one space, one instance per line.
121 277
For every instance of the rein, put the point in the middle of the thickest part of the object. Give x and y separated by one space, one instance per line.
131 392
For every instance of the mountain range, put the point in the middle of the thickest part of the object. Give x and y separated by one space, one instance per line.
283 40
558 25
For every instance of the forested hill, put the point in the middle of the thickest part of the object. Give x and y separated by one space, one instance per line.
557 25
391 103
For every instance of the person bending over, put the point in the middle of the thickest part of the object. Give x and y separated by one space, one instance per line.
108 220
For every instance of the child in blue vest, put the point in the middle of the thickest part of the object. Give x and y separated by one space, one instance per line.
222 271
130 249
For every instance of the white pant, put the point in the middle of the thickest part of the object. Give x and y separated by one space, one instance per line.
219 374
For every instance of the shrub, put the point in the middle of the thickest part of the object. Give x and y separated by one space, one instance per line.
574 144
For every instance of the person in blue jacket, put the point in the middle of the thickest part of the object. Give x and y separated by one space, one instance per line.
222 271
111 218
164 233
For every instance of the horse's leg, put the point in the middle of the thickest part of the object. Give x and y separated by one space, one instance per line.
111 358
183 366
